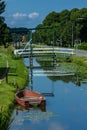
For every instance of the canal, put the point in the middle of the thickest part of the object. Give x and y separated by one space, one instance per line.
66 104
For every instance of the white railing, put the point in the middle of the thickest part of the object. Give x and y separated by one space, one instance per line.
45 50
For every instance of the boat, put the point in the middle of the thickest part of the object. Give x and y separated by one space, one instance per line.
28 98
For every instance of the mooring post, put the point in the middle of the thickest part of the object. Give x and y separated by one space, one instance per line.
7 67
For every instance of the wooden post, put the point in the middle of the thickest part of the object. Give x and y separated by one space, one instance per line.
7 67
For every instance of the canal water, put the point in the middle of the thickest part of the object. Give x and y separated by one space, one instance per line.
66 105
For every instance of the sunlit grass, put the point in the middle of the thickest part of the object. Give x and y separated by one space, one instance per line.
8 90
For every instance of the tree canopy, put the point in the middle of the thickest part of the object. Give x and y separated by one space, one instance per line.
4 31
69 26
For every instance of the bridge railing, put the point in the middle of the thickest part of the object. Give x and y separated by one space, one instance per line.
47 50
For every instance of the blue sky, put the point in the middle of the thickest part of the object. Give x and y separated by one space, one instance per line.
30 13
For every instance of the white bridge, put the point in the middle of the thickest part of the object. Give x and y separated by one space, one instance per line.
44 50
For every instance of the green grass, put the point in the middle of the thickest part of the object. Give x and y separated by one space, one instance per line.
8 90
80 60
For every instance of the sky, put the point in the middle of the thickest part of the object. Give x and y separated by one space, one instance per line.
30 13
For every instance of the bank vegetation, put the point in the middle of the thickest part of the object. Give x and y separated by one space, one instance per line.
17 78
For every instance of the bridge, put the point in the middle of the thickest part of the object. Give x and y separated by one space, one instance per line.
43 51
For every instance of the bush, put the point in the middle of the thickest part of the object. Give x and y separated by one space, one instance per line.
83 46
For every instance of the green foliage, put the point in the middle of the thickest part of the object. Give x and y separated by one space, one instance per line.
2 6
81 63
4 31
51 18
7 91
83 46
65 24
80 60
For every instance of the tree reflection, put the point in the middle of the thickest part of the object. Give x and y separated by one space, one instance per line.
77 72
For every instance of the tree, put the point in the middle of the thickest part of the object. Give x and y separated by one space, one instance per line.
2 6
2 9
66 26
4 31
53 17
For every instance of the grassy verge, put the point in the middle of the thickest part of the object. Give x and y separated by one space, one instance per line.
7 91
81 63
80 60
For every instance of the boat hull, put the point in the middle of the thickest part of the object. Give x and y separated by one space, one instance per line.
27 98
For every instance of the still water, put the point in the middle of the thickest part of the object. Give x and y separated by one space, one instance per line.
66 106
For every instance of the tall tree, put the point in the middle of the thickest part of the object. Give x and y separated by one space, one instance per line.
2 9
4 31
2 6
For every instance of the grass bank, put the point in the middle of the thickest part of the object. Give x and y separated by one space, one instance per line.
81 62
18 73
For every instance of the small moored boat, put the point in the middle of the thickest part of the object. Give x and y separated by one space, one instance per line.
29 98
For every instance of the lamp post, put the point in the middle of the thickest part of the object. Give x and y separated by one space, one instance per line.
72 34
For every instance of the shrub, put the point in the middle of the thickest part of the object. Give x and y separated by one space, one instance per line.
83 46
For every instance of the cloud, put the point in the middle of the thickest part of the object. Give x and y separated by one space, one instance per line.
33 15
24 15
19 15
22 19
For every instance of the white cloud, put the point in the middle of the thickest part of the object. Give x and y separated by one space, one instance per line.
33 15
19 15
24 15
22 19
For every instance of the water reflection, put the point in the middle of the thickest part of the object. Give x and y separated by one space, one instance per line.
21 108
34 113
66 104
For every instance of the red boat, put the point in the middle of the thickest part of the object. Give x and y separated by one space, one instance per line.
28 98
